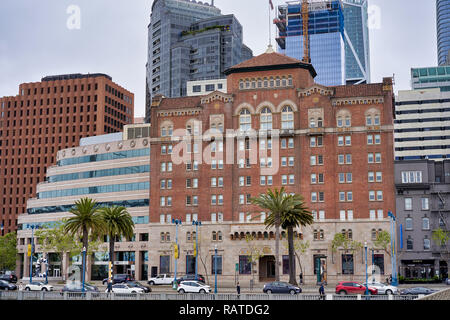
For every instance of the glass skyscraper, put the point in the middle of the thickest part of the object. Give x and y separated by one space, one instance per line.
339 41
443 31
187 41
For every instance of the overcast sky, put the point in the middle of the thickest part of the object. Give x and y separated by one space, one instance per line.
35 40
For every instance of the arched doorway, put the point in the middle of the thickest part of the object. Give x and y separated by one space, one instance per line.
267 268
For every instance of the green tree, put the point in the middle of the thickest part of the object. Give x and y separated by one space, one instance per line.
254 252
8 251
344 242
288 212
300 248
117 223
440 237
86 223
383 241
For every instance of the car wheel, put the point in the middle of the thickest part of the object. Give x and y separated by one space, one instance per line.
202 291
342 292
388 292
292 292
181 291
152 283
44 289
269 291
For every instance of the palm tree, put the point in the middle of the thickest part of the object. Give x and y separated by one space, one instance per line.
118 223
276 202
87 221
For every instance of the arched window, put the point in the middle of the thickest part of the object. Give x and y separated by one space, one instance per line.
319 122
194 235
266 119
350 234
245 120
219 236
163 237
340 122
287 118
242 235
188 236
316 235
168 237
214 236
312 122
163 131
374 234
283 235
321 235
189 129
266 235
170 131
348 121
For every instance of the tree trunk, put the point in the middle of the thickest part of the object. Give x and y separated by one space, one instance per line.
300 264
292 272
111 252
85 245
277 247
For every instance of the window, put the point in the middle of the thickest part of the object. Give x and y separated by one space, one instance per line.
425 204
371 195
379 176
313 196
426 244
245 120
408 223
408 203
425 223
371 177
313 178
216 261
347 264
370 139
409 243
379 195
372 214
245 266
287 118
411 176
266 119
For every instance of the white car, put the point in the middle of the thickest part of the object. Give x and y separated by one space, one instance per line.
38 286
125 288
383 288
161 279
193 287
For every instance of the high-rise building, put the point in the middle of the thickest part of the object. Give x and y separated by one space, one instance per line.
48 116
443 31
189 41
432 77
338 35
112 169
422 124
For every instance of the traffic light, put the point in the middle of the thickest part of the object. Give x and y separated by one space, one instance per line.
195 249
176 251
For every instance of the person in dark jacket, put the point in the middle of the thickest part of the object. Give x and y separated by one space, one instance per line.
322 292
238 289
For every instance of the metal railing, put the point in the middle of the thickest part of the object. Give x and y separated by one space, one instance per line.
56 295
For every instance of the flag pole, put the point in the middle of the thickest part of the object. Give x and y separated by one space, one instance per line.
270 24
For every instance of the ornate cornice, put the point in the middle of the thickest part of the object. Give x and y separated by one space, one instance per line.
318 89
217 95
357 100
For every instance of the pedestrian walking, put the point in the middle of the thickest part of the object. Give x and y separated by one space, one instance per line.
322 292
109 287
238 289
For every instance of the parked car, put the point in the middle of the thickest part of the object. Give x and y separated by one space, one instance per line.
125 288
193 287
135 284
417 290
353 287
119 278
281 287
5 285
161 279
383 288
191 277
9 276
447 281
79 288
38 286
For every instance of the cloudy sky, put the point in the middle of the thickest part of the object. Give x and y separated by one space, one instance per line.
40 38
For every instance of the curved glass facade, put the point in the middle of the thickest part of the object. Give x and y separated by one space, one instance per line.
104 157
443 30
99 173
93 190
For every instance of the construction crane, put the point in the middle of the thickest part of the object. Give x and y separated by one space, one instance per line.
305 17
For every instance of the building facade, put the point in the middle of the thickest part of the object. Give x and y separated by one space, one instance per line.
48 116
423 194
203 87
339 39
422 124
443 31
432 77
189 41
110 170
333 145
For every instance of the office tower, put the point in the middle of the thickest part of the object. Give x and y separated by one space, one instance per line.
432 77
333 145
189 41
339 39
422 125
111 169
48 116
443 31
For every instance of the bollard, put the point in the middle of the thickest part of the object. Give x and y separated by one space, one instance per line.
358 297
390 297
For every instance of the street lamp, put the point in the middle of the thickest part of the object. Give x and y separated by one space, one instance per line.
367 282
393 263
84 267
215 268
177 251
196 224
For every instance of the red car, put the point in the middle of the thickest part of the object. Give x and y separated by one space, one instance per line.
353 287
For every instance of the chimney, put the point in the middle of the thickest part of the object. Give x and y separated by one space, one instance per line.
212 3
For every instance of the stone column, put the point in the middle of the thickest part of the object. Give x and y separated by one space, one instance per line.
137 265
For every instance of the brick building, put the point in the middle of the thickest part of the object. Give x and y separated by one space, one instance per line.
333 145
48 116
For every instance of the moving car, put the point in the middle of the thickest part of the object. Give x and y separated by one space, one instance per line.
79 288
417 290
193 287
125 288
161 279
119 278
5 285
9 276
383 288
353 287
38 286
281 287
135 284
191 277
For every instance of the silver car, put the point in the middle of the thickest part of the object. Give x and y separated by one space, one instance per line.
383 288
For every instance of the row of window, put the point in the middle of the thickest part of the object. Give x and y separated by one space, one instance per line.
99 173
105 157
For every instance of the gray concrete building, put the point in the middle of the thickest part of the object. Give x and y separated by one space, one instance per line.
423 197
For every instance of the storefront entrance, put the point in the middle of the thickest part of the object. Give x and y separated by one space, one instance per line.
267 268
417 269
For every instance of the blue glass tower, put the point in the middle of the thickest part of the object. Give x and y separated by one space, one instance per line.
443 31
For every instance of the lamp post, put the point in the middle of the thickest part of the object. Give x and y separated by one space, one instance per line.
84 267
196 224
177 252
393 263
367 282
32 252
215 268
